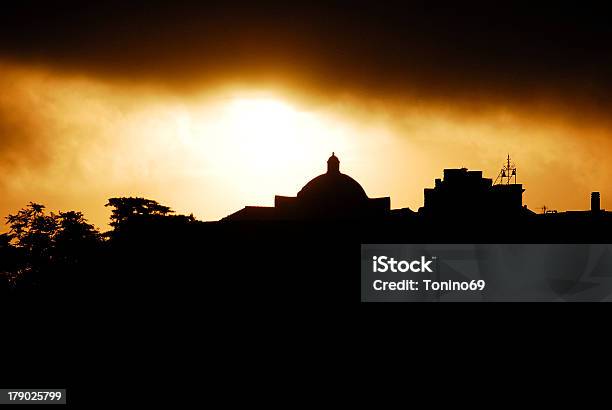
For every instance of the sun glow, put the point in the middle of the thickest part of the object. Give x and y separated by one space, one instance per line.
244 148
273 143
266 130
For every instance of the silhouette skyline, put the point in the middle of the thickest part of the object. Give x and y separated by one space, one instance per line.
460 193
329 217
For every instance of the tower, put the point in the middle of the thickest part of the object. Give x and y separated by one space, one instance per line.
595 202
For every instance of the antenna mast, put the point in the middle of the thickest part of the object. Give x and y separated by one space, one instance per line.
507 173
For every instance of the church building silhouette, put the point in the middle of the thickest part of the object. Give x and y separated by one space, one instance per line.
332 195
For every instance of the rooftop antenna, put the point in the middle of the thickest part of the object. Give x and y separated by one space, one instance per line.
507 173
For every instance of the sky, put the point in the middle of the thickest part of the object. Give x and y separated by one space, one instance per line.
208 108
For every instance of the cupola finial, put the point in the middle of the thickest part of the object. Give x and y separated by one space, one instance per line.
333 164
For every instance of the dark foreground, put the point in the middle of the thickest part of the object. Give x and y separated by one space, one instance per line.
165 296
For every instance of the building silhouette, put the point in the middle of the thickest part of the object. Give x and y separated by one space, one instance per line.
461 196
464 192
332 195
594 213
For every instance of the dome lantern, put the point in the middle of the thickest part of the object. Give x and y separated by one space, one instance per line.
333 164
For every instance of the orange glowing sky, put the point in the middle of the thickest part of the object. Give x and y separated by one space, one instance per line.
70 141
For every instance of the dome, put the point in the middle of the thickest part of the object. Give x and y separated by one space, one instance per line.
333 186
339 186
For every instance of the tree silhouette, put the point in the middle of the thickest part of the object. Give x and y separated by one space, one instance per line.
75 238
44 245
129 209
33 231
73 227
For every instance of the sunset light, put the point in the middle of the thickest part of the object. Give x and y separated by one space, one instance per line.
269 133
83 140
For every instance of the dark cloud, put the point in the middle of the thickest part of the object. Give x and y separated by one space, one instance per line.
472 51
